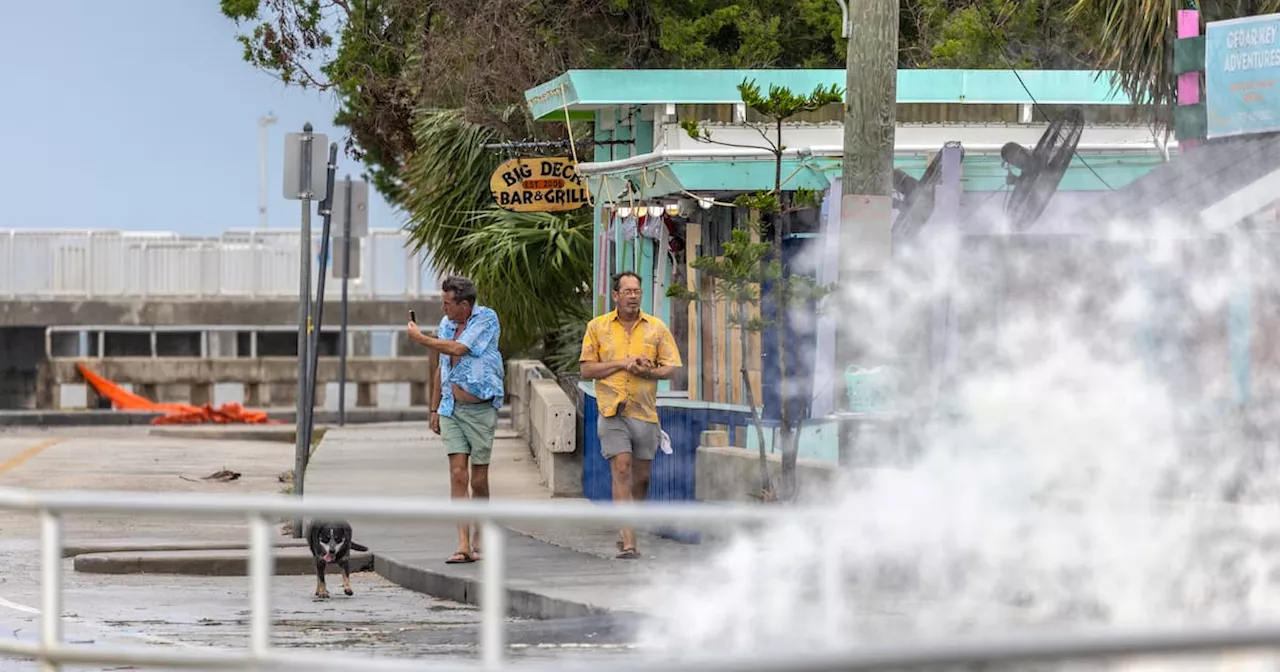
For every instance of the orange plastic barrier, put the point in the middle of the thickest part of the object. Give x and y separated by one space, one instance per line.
174 414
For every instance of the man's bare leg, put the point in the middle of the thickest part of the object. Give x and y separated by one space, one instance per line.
458 484
620 467
479 490
639 483
640 479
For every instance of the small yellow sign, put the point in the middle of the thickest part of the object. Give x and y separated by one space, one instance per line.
538 185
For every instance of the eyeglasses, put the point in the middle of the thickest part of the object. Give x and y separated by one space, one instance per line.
629 292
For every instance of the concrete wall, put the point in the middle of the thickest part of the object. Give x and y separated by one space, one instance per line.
547 419
732 474
264 382
23 350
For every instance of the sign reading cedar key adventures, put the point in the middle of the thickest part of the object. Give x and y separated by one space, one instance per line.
538 185
1242 66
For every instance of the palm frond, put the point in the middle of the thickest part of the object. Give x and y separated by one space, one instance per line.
532 268
1136 40
565 346
446 178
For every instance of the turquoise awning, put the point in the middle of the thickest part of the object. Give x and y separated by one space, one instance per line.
596 89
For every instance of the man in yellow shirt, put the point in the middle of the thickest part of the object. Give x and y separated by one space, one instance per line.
627 352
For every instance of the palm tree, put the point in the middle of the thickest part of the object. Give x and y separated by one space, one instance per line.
1136 40
534 269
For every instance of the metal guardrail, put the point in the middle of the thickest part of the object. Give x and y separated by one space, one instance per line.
52 651
103 264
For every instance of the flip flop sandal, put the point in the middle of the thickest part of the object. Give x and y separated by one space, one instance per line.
459 558
628 554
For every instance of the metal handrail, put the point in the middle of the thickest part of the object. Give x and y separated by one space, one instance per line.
115 264
52 651
51 505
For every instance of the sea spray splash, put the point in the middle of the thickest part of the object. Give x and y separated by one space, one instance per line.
1063 491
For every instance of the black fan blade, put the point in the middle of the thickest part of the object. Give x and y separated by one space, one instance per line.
918 202
1044 169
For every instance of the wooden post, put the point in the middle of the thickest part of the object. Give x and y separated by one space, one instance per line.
866 207
692 240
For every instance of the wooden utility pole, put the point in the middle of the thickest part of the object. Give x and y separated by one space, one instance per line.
866 207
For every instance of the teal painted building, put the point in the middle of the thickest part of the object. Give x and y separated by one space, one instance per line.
643 160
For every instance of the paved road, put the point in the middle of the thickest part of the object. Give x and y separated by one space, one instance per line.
213 611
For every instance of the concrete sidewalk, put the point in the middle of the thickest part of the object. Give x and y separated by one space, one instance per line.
554 570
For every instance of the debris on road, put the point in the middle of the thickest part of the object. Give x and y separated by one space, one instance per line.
223 476
175 414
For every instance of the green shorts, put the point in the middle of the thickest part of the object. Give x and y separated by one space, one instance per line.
469 431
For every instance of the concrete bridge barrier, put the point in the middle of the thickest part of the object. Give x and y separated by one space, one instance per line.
262 382
547 419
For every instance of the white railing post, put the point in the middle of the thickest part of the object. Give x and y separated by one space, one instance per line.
87 275
50 588
493 595
370 269
832 586
261 567
12 264
255 286
145 266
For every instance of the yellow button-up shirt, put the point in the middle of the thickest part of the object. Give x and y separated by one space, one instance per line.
607 340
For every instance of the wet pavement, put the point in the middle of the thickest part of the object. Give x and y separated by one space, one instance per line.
170 610
188 611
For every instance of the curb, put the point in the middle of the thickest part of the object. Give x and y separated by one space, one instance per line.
232 562
270 433
520 603
95 418
72 550
110 418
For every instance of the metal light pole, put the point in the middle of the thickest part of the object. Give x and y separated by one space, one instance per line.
302 448
263 123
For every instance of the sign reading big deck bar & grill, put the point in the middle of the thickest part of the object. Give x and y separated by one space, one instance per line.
538 185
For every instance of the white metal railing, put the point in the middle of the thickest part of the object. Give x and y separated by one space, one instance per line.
51 651
103 264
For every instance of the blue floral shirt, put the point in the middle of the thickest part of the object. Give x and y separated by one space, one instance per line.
479 371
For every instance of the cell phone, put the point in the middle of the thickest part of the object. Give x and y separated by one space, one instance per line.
413 317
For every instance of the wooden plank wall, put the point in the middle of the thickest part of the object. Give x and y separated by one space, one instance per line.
717 343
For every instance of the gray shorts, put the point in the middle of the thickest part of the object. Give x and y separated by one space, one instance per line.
627 435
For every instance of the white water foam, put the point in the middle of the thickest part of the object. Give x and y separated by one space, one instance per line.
1074 482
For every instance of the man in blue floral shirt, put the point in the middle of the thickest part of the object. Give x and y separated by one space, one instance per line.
465 396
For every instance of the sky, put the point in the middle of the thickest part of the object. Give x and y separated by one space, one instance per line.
141 115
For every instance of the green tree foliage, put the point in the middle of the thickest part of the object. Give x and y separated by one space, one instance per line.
748 33
385 60
982 34
420 84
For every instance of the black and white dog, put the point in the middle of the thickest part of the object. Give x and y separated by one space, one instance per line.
330 541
